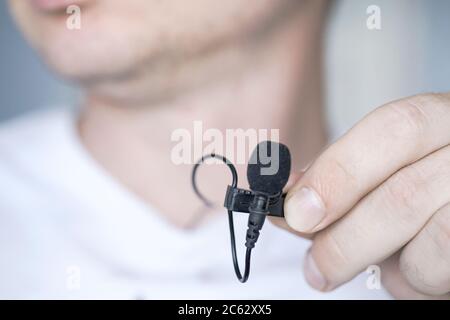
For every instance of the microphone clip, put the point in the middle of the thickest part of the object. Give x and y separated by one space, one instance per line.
246 201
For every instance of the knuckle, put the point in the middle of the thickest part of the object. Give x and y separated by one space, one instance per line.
408 118
427 271
439 232
329 182
333 258
437 100
342 170
402 190
413 274
420 276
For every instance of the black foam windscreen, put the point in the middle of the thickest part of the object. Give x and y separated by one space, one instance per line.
269 167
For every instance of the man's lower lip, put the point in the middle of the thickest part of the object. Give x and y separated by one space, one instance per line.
52 5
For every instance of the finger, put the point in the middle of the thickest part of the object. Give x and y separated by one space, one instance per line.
293 179
396 284
425 261
280 222
387 140
384 221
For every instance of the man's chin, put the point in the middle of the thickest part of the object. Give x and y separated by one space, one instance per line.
116 80
83 62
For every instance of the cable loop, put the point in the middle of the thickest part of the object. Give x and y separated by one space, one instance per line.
242 278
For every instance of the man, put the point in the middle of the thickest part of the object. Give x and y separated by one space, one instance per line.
93 206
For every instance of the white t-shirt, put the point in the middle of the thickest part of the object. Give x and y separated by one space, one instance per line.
69 230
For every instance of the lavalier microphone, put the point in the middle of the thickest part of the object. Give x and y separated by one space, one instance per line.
268 171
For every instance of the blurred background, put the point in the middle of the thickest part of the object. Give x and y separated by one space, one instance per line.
364 68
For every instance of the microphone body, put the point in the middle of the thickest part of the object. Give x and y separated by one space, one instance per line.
266 185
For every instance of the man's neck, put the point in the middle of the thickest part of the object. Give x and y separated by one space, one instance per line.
278 87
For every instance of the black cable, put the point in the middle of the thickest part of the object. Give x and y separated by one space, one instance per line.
233 252
232 168
241 278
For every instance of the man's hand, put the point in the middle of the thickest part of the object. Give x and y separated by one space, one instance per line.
381 195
